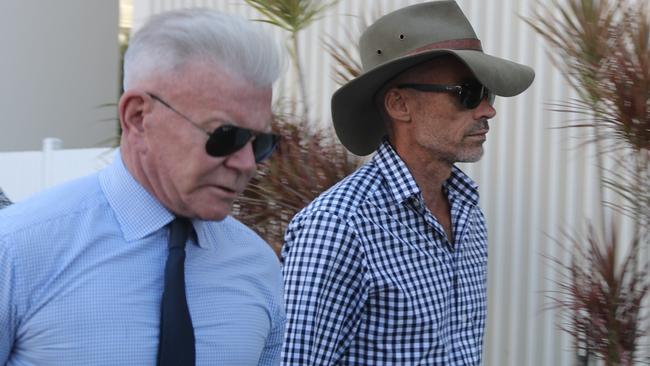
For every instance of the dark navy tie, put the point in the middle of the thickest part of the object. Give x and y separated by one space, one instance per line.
176 347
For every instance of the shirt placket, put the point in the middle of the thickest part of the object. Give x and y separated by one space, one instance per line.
437 237
460 219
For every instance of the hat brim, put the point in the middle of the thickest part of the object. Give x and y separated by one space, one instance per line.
357 121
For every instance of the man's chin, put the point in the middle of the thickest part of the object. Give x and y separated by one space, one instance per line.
216 212
471 156
214 216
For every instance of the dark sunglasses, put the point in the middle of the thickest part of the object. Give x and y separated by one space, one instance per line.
227 139
470 93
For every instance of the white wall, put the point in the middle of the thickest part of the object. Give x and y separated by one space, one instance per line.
24 173
59 64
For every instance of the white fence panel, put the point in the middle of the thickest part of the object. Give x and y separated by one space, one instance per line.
24 173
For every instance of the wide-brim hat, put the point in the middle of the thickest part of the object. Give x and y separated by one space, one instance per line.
400 40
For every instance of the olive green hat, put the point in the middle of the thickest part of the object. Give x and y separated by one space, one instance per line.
401 40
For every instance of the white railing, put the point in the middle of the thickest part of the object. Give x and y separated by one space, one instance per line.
24 173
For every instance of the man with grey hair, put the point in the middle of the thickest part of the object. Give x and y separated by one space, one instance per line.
389 266
141 264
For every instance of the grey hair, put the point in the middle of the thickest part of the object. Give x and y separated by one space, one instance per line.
171 39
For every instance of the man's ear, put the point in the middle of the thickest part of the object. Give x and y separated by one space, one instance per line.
132 108
396 106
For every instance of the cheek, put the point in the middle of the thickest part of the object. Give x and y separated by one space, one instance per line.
454 129
192 169
435 130
175 160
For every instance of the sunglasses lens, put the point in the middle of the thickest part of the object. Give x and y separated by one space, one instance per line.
263 146
472 95
227 139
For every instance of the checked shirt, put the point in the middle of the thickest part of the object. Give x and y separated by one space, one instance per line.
371 279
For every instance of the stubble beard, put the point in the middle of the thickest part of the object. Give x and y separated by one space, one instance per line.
470 155
464 152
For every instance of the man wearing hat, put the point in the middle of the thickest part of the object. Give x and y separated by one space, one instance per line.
388 267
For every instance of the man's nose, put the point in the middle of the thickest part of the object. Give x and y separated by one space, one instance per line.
242 159
484 110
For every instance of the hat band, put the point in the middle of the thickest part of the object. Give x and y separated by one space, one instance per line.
453 44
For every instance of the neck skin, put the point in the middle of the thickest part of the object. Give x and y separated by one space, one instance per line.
429 173
429 170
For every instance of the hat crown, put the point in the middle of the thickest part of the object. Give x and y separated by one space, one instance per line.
406 30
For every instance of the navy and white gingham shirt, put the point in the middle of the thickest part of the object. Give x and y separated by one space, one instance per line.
371 279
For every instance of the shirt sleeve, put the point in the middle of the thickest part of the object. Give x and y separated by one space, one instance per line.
273 347
325 289
7 308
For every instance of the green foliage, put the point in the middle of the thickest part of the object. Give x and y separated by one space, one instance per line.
347 66
291 15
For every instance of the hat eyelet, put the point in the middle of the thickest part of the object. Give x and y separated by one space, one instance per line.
379 52
401 36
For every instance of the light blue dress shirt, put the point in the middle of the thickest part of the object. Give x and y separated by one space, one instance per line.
82 271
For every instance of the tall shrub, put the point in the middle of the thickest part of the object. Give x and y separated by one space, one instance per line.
602 48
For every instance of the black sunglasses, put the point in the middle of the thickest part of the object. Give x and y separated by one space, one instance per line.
227 139
470 93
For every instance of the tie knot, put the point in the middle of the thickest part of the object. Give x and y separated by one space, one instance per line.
178 232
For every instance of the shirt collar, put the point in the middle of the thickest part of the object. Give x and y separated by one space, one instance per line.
396 174
461 186
137 211
402 185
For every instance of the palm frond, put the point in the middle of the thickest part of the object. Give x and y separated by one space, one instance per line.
291 15
347 66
